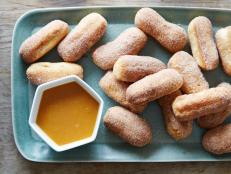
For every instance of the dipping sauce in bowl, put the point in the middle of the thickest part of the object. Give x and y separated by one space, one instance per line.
66 113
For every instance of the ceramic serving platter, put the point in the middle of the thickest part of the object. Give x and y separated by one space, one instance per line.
107 147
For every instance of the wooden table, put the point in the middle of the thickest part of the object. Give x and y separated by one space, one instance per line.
12 162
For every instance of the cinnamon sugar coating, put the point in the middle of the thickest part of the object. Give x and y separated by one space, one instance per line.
129 42
176 129
43 40
223 41
128 126
203 47
90 30
131 68
218 140
186 65
43 72
169 35
189 106
214 120
116 90
154 86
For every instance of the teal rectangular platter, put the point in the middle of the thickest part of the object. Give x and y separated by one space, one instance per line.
107 147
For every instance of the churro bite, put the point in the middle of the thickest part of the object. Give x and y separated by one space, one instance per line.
37 45
128 126
43 72
169 35
116 90
223 41
203 47
154 86
90 30
186 65
129 42
131 68
214 120
176 129
189 106
218 140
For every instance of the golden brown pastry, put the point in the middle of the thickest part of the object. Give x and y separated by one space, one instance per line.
214 120
186 65
129 42
176 129
89 31
169 35
154 86
43 72
218 140
43 41
223 40
131 68
128 126
189 106
203 47
116 90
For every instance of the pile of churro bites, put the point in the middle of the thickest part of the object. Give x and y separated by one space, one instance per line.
133 81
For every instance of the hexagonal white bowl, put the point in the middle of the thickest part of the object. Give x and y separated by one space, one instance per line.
35 108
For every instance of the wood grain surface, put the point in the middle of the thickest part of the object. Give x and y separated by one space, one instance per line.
12 162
